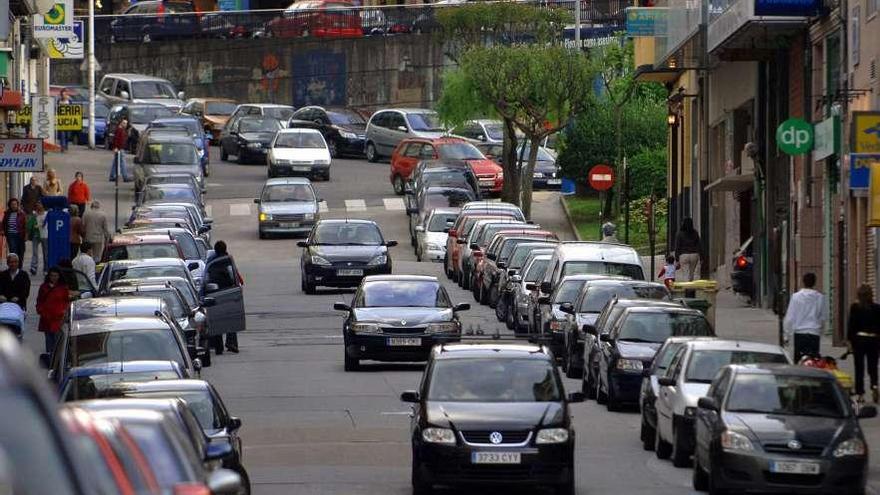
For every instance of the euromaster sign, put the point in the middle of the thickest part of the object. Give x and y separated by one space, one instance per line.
57 23
21 155
67 117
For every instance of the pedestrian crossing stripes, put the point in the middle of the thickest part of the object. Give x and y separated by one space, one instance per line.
241 209
394 204
355 205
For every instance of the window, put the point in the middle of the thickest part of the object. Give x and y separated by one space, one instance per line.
396 121
288 193
427 152
665 358
568 291
787 395
107 85
347 234
221 271
599 294
704 365
153 89
412 150
428 121
460 151
218 108
345 118
127 345
404 294
122 87
310 140
493 380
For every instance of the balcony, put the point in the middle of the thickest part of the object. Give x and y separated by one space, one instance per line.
750 29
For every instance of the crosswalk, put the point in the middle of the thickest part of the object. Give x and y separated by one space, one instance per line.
239 208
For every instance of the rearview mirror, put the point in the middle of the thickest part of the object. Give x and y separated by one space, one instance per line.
181 95
338 306
409 396
124 95
666 381
461 307
589 329
567 308
529 286
709 403
302 244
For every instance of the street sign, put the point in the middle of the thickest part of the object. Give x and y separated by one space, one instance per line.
21 155
601 177
794 136
43 118
866 132
827 138
56 23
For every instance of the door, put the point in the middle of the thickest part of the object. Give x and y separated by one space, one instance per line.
666 397
396 131
222 285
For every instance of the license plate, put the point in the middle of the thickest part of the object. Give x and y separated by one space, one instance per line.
554 181
790 467
288 225
349 273
496 458
487 182
405 341
538 175
302 169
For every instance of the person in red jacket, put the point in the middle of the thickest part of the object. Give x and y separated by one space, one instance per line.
120 136
52 302
78 193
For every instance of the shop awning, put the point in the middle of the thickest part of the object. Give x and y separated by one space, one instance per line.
732 182
647 73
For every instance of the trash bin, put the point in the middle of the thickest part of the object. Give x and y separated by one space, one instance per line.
695 303
568 186
699 294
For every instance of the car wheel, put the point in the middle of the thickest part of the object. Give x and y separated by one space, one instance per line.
398 185
680 456
224 156
662 448
573 371
307 286
493 296
262 234
714 489
501 309
241 159
372 155
647 435
351 364
245 481
334 151
510 317
700 478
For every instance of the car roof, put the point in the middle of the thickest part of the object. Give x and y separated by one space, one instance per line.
165 385
129 404
347 220
663 309
287 180
490 204
173 120
116 306
630 303
781 369
206 99
619 280
112 324
406 110
137 77
490 350
590 277
162 136
265 105
134 238
445 211
730 344
400 278
600 251
123 367
145 262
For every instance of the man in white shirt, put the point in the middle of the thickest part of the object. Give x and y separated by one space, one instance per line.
805 319
85 263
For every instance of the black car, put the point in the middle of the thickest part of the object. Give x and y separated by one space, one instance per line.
492 414
779 428
248 138
340 253
511 269
398 318
741 275
446 174
344 129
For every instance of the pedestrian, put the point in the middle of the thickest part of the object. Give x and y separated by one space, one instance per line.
78 193
85 263
863 339
687 249
805 319
609 232
96 231
38 233
63 136
53 299
52 186
120 136
31 195
14 225
15 284
224 275
667 272
76 230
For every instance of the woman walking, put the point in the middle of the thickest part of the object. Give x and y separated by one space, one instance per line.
52 186
863 335
52 301
76 230
38 233
78 193
687 248
120 136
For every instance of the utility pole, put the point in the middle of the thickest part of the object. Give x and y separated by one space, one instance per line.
91 68
577 24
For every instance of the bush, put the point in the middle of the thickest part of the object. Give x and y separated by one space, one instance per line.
647 173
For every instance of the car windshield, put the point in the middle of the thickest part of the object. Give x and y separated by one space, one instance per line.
460 151
786 395
345 118
199 402
170 179
278 113
188 245
519 256
347 234
190 125
568 291
152 89
493 380
447 198
495 131
426 121
170 154
124 345
657 326
397 293
147 271
288 193
598 295
172 194
299 140
159 452
219 108
536 270
664 357
602 268
543 155
259 125
441 222
142 251
95 386
145 115
704 365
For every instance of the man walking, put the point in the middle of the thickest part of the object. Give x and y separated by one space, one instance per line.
225 275
805 319
31 195
15 284
96 231
14 228
85 263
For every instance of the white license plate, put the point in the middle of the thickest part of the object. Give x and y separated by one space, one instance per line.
496 458
791 467
487 182
288 225
404 341
538 175
554 181
349 273
302 169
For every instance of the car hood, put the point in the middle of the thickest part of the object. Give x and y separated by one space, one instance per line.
773 428
165 102
428 134
301 154
484 166
637 350
293 207
193 168
348 253
402 317
586 319
437 237
254 137
494 415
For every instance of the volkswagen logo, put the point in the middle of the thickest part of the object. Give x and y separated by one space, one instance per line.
794 445
495 437
403 322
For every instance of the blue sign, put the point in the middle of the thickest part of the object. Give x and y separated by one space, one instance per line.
58 225
791 8
234 5
646 21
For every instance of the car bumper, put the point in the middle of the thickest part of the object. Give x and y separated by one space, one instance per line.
434 254
329 276
299 170
546 183
740 472
275 227
254 154
350 146
625 386
377 347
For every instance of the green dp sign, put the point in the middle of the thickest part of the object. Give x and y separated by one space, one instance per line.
794 136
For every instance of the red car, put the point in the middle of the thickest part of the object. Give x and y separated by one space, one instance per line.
410 152
319 18
462 227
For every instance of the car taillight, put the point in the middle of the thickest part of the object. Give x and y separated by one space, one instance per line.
742 262
555 325
453 233
477 254
191 489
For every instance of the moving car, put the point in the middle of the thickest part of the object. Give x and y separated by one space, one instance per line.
387 128
92 382
138 88
398 318
287 206
492 414
318 18
213 113
248 138
168 154
340 253
409 152
431 233
152 20
299 152
344 129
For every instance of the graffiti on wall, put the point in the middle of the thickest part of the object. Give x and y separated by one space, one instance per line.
266 80
319 78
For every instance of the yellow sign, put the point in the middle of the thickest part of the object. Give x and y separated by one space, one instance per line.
67 117
866 132
874 196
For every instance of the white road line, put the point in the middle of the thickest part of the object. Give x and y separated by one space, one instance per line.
208 210
239 210
322 207
394 204
355 205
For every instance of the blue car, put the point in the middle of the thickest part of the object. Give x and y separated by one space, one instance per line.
194 127
92 382
101 112
152 20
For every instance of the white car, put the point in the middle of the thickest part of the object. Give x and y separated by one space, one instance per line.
299 152
688 377
431 235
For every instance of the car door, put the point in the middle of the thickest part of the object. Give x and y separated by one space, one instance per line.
222 283
396 131
665 402
708 422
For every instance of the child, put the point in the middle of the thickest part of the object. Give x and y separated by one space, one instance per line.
667 272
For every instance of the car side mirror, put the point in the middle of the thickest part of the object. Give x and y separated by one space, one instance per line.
529 286
546 287
589 329
481 137
710 404
605 337
208 302
402 128
566 308
208 220
461 307
420 228
192 266
501 265
665 381
257 200
212 287
338 306
866 412
576 397
218 449
204 229
511 272
124 95
410 396
234 423
391 243
302 244
224 482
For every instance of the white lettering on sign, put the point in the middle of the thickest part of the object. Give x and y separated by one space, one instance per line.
21 155
796 137
601 177
59 224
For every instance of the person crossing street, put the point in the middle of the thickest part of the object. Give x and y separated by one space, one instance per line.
805 319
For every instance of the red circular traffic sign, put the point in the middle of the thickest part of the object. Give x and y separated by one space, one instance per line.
601 177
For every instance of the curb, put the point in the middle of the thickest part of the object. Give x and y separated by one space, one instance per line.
571 225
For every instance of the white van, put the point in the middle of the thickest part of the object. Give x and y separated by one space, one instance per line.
599 258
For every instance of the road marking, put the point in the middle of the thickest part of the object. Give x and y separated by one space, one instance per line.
394 204
239 210
208 210
355 205
322 207
396 413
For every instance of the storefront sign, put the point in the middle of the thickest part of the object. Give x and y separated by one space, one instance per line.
68 48
874 196
827 138
787 8
866 132
67 117
646 21
43 118
794 136
57 23
21 155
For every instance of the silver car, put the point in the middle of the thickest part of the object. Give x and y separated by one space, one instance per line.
523 286
387 128
287 206
167 154
137 88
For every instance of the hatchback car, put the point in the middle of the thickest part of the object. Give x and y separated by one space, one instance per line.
387 128
432 232
287 206
481 131
411 151
164 154
343 128
177 193
299 152
138 88
248 138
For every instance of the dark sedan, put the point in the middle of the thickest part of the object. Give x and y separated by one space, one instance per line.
248 138
741 275
343 129
398 318
340 253
492 414
775 428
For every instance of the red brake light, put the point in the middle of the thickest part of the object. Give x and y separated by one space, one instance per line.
476 254
453 233
742 262
191 489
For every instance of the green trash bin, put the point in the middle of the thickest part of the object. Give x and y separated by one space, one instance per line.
696 303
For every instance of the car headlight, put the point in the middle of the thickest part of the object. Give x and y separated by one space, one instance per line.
347 135
851 447
731 440
378 260
201 153
446 327
309 216
364 328
690 412
254 145
264 217
552 435
629 365
281 162
444 436
319 260
433 246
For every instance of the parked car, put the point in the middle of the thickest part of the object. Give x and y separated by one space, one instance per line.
174 178
138 88
318 18
195 130
94 381
512 267
465 237
494 263
431 233
429 173
546 174
102 110
132 269
138 115
523 285
411 151
576 257
344 129
138 247
163 154
741 273
492 151
248 138
287 206
387 128
475 245
178 193
481 131
152 20
299 152
213 113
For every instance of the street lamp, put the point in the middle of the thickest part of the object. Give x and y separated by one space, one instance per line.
670 119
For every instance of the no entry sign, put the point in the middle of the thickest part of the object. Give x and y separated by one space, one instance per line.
601 177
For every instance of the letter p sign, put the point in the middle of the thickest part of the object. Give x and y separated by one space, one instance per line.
59 225
794 137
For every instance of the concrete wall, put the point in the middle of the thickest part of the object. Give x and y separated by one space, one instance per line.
369 72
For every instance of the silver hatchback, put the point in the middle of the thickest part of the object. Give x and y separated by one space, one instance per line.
287 206
387 128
